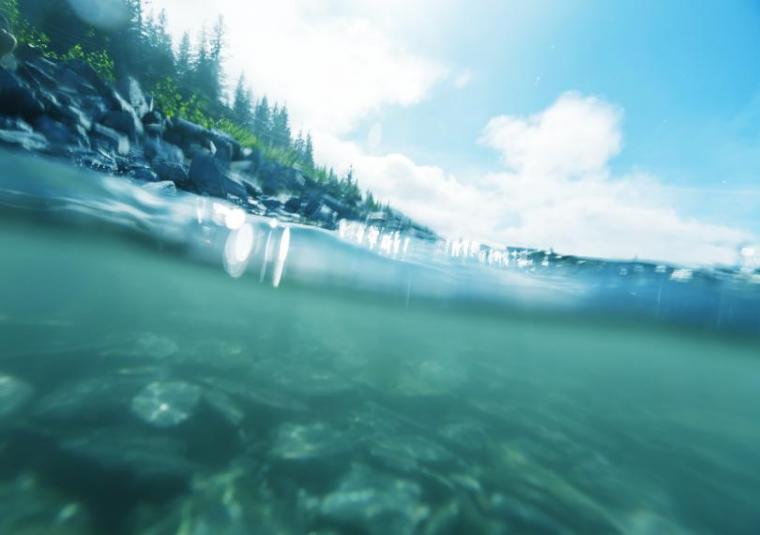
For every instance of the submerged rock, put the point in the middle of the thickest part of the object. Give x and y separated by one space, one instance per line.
27 506
89 401
374 503
14 394
166 404
121 462
164 187
295 442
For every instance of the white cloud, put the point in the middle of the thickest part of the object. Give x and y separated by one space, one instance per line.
557 191
577 135
332 62
375 136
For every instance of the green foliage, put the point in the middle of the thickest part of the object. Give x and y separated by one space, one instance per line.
25 33
9 8
170 99
99 60
241 134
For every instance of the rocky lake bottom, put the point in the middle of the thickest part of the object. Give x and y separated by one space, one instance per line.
144 393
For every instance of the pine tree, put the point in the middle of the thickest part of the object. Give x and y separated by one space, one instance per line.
184 59
215 73
242 106
281 127
164 40
308 153
261 117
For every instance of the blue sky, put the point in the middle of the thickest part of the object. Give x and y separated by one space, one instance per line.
641 117
686 73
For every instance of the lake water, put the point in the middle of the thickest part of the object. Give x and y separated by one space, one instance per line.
168 365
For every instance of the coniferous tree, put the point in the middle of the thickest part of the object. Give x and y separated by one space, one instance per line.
201 71
308 153
183 66
299 145
215 75
243 104
261 118
281 127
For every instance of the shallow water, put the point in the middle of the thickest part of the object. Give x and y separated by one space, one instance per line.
165 368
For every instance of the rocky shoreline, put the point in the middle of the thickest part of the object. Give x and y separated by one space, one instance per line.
66 111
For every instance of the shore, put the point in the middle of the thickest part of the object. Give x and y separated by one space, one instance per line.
64 110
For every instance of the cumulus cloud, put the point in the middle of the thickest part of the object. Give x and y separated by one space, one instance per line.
576 136
556 191
332 62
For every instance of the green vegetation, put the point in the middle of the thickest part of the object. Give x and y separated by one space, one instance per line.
187 80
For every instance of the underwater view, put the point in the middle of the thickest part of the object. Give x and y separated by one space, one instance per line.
226 314
327 387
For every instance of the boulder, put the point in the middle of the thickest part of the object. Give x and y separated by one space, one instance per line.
14 123
72 81
14 394
90 75
163 187
196 140
58 133
22 139
28 52
154 130
73 116
227 148
276 178
195 149
93 106
207 175
235 188
132 92
175 172
31 73
109 139
271 203
143 173
182 132
334 204
157 149
325 216
293 205
125 123
7 42
154 124
100 160
17 99
50 102
165 404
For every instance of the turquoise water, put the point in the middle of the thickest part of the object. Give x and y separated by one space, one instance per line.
167 367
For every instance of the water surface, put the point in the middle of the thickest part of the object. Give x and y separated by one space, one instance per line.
167 367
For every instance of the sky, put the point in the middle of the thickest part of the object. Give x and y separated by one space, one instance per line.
625 129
